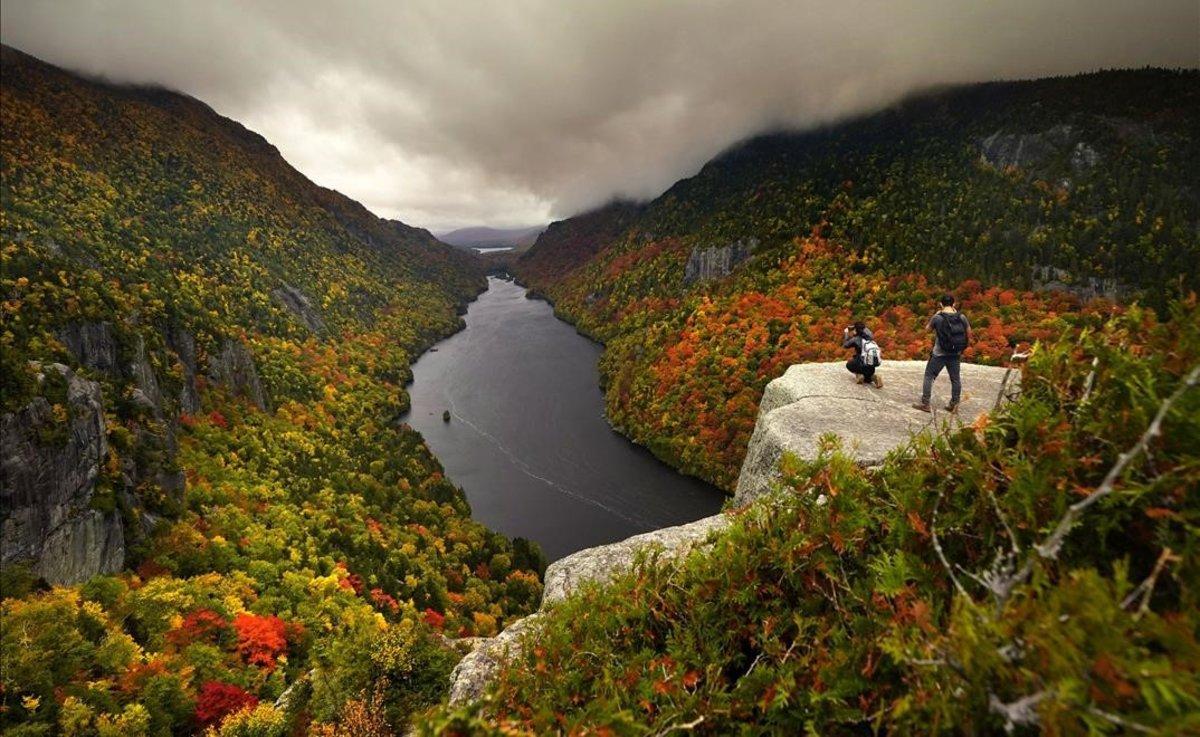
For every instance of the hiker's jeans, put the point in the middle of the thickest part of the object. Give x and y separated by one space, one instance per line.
933 368
856 366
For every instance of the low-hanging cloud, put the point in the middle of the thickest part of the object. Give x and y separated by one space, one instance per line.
452 113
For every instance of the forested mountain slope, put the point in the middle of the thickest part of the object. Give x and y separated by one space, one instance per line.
203 365
1082 185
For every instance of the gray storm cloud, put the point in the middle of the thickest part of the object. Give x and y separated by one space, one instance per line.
452 113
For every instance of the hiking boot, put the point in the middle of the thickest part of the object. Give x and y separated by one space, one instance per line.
858 378
878 381
923 406
952 407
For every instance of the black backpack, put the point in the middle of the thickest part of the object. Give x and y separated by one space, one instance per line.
952 333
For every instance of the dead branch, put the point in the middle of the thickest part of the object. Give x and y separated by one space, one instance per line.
1146 588
688 726
1015 358
1088 383
1053 543
937 545
1022 712
1121 721
1012 539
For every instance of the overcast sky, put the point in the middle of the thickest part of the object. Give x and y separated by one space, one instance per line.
444 113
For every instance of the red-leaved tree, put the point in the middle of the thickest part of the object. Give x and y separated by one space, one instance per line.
261 639
218 700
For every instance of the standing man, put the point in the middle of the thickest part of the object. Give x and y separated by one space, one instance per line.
866 354
951 336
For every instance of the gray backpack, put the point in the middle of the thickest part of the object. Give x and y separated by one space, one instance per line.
871 355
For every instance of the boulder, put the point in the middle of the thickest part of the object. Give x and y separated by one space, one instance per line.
813 399
50 479
600 564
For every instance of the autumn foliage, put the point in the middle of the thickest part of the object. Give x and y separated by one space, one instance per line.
218 700
260 639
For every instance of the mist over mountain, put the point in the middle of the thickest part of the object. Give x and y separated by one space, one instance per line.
485 237
536 111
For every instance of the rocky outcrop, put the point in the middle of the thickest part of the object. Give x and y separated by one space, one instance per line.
1053 279
146 391
49 492
234 369
479 667
715 262
93 345
296 302
814 399
184 345
1033 150
600 564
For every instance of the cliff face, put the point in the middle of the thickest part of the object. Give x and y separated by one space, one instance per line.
716 262
72 501
51 474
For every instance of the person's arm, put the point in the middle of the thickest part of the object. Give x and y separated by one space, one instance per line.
848 338
929 325
968 325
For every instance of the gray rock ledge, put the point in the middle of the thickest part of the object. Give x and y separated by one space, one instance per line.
813 399
478 668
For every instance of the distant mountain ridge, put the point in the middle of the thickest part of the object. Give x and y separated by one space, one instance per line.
486 237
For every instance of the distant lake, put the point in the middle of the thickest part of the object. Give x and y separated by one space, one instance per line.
493 249
527 439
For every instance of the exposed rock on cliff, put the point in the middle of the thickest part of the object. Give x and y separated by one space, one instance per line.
1033 150
813 399
234 369
1053 279
146 391
600 564
50 487
93 345
299 305
184 345
716 262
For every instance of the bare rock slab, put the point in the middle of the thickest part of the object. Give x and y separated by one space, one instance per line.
478 668
813 399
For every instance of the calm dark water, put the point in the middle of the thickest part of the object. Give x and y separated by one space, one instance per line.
527 439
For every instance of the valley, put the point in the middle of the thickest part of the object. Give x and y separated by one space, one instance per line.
527 439
276 465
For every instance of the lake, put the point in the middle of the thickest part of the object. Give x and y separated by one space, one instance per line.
527 439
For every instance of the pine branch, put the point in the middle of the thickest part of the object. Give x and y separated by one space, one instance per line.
1050 547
